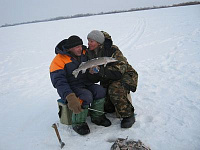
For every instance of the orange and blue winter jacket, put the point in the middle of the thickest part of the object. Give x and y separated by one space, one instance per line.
61 70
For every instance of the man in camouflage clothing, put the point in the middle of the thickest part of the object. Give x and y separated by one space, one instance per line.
119 77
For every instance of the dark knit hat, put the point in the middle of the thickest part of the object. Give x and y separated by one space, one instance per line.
96 35
73 41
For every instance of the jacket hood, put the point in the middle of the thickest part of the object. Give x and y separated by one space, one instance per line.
60 47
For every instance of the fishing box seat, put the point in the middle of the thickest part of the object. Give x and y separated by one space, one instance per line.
65 114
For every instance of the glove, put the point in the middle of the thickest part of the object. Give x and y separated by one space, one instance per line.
128 87
94 69
73 103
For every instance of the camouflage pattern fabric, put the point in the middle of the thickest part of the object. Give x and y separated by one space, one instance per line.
106 35
130 76
118 96
117 90
130 79
122 64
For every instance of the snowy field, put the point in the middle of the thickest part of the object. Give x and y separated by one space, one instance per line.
162 45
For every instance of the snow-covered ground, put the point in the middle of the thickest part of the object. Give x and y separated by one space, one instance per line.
162 45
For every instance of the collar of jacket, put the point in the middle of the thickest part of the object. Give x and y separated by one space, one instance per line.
96 52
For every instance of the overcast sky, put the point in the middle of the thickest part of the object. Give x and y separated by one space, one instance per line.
17 11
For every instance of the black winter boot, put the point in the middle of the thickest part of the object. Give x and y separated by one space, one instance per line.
82 128
128 122
79 124
99 118
101 121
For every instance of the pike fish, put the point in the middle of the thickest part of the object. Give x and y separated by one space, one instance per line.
92 63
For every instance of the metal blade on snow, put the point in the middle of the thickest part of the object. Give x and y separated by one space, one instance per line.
96 110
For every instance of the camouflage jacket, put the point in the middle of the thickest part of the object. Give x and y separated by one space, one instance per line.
120 70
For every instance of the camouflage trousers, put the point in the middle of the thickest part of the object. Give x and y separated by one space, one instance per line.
117 95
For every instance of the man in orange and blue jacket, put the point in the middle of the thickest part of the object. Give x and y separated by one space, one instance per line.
79 93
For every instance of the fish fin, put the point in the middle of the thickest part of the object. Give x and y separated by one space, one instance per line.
82 64
75 73
83 71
